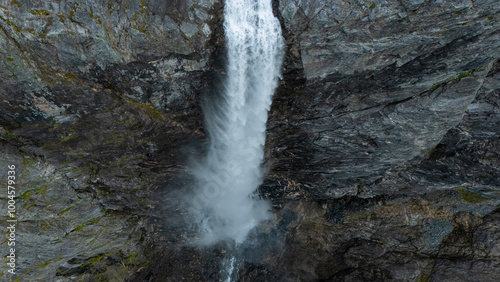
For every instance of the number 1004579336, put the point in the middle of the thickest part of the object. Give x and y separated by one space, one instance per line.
11 191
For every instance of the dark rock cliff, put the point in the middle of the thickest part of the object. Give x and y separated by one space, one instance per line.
383 144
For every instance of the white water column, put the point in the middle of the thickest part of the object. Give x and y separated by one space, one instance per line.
231 172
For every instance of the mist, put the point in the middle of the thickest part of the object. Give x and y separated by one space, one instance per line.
225 205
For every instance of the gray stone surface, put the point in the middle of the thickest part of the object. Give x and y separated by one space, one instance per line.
382 150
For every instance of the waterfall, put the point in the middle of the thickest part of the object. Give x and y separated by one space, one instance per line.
225 205
227 269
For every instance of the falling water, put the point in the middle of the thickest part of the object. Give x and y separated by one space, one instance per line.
227 269
225 205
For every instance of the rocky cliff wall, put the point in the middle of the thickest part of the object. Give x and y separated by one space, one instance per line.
383 140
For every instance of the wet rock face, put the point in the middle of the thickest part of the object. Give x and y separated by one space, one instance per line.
141 50
433 236
373 86
387 116
383 140
98 100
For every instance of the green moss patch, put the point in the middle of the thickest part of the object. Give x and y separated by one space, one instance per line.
44 264
436 86
25 195
471 197
87 223
44 187
148 109
464 74
65 210
456 79
15 2
40 12
69 75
